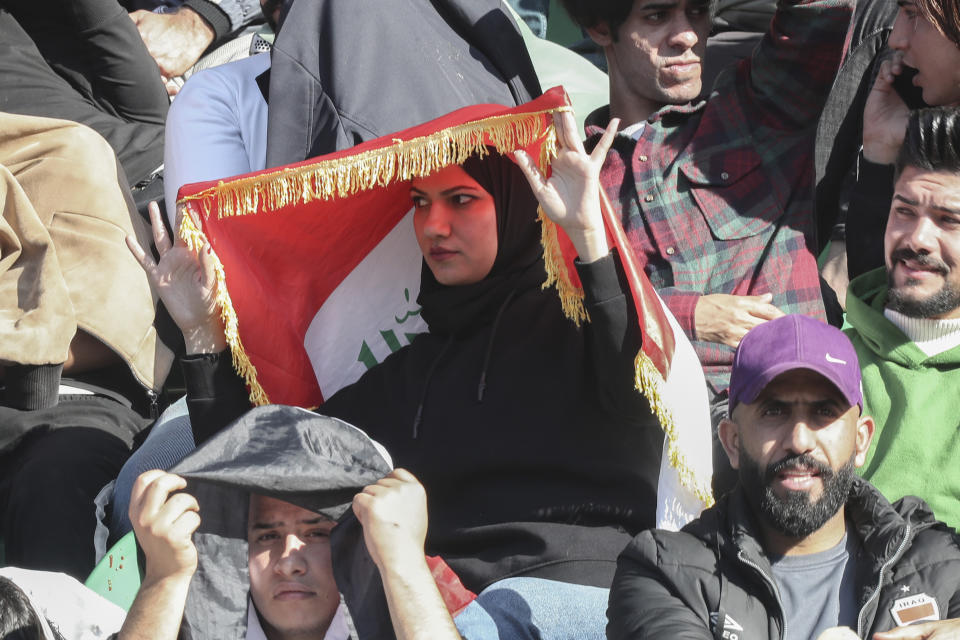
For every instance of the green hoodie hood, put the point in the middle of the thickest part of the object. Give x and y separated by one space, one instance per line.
914 400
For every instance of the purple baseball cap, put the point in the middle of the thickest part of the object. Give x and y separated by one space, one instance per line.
793 342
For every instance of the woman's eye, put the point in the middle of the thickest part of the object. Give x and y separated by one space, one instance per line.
266 537
419 201
462 199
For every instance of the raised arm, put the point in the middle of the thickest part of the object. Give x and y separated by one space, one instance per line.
164 525
393 513
571 199
187 285
571 196
793 68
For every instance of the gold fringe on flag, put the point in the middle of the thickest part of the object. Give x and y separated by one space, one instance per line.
404 160
571 297
650 382
195 239
343 177
418 157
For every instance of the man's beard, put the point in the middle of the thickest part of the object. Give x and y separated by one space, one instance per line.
795 515
943 301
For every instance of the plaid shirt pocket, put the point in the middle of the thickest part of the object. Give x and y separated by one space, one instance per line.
732 192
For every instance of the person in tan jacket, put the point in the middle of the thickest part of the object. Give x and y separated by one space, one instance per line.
80 360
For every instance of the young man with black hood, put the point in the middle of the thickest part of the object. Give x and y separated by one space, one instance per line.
293 594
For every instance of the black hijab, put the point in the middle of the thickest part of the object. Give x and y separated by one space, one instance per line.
453 310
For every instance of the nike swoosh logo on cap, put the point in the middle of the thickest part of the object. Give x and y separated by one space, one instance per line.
835 360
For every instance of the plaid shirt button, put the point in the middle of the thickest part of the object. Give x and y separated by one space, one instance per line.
671 251
724 176
643 158
648 198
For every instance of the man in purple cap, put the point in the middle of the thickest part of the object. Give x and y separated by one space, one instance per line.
802 547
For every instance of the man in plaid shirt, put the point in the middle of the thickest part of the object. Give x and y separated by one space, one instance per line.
716 195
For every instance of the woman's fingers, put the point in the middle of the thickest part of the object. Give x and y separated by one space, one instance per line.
208 272
139 254
603 146
160 236
566 126
145 260
532 172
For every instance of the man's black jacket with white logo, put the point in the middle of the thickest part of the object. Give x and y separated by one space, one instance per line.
713 580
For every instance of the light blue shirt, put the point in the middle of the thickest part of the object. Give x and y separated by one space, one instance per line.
216 127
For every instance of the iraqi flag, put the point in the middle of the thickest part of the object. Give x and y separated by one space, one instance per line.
318 272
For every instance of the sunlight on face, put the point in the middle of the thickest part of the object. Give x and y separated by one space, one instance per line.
455 221
922 244
291 573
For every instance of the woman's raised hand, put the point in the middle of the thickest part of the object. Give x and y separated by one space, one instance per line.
186 284
571 197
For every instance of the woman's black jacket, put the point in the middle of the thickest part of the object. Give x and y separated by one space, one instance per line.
538 455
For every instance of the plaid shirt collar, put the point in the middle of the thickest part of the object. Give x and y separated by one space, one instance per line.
599 118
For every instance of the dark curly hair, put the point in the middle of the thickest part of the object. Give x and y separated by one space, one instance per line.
590 13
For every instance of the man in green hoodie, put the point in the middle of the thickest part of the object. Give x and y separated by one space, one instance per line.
905 321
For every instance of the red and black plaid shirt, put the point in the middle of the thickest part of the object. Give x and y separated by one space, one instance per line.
717 197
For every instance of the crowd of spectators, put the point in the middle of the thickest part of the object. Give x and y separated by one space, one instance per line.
787 176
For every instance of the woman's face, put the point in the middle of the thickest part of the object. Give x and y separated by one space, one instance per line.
455 221
933 55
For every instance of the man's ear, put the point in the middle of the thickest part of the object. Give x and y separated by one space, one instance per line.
601 33
865 430
729 434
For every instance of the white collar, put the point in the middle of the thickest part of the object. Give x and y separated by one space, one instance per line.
635 130
338 630
931 336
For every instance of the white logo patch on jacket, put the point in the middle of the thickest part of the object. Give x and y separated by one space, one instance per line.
916 608
731 628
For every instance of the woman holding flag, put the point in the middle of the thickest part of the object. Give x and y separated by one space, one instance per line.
539 457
